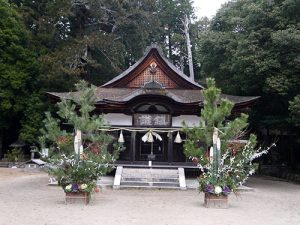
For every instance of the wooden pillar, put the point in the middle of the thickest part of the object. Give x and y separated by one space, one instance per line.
170 147
132 146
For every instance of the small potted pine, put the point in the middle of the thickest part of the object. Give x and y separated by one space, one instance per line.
225 161
79 154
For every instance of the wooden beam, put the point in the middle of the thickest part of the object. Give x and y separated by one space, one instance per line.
132 146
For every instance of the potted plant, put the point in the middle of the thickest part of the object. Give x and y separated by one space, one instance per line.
225 161
79 154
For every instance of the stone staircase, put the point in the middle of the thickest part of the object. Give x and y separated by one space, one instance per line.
149 178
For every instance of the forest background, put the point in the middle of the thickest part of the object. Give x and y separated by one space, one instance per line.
251 47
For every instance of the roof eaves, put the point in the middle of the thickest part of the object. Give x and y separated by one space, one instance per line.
249 100
240 99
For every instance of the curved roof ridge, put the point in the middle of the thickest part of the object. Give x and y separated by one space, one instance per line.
124 73
179 72
166 60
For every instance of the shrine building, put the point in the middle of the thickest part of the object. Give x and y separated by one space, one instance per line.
153 96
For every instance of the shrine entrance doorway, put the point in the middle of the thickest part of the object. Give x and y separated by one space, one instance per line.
152 117
152 151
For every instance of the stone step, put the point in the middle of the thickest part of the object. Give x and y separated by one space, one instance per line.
150 169
149 173
149 178
141 183
148 187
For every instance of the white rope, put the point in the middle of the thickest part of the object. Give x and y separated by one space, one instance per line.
131 129
138 129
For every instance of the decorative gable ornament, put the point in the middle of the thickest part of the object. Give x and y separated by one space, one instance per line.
152 69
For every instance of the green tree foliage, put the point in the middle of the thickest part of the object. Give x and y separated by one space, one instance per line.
15 155
214 113
96 40
19 72
49 21
252 48
295 110
231 165
18 65
91 40
33 118
73 40
70 167
171 14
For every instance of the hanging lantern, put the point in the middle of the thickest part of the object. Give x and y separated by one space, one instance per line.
178 138
121 138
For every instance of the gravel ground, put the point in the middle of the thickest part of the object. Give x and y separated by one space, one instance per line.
26 199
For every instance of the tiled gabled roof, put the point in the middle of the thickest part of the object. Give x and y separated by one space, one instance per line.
156 48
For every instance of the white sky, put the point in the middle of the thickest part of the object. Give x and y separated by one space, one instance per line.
207 8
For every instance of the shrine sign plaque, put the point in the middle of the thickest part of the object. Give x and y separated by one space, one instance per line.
152 120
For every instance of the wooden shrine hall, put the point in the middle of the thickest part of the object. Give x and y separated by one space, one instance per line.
146 105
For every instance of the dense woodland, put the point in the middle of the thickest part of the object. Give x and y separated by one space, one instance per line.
251 47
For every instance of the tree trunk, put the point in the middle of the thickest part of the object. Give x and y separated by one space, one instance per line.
170 45
186 24
181 63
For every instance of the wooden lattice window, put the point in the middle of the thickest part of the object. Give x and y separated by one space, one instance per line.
146 76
